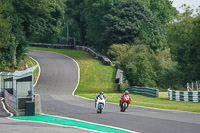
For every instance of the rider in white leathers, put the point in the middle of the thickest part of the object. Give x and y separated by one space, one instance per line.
101 93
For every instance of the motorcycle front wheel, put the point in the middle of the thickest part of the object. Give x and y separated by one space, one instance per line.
99 111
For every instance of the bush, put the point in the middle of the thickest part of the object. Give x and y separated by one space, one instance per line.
144 67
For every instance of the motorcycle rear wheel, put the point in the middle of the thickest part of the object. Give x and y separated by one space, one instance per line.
100 111
122 109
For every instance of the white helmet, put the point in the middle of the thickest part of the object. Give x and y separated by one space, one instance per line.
126 92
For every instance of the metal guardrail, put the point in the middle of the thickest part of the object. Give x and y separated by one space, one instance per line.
145 91
193 96
60 46
105 60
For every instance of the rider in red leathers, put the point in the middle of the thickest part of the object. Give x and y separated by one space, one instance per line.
125 93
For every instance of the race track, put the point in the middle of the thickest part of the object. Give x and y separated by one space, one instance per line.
58 79
12 126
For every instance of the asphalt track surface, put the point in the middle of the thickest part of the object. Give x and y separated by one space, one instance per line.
58 80
12 126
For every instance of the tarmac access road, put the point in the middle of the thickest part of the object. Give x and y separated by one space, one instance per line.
58 79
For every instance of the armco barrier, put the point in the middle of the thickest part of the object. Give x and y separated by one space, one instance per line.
145 91
193 96
52 45
105 60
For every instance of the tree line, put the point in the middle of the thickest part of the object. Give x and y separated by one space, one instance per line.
154 44
24 21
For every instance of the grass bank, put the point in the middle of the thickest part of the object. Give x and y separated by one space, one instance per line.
95 77
25 63
30 62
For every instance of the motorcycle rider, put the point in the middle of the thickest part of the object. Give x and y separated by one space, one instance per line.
101 93
121 97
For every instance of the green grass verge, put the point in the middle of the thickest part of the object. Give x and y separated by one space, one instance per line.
30 62
160 103
95 77
22 65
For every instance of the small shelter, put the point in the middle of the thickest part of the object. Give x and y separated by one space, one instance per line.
17 88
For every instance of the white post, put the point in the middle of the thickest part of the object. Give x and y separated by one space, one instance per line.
67 34
197 86
188 87
192 86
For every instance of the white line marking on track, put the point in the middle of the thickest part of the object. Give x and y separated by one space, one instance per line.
78 73
93 123
55 124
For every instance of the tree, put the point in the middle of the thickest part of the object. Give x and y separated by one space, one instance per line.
162 9
7 45
93 14
74 20
184 39
132 21
143 73
117 51
137 63
101 23
24 21
84 17
40 19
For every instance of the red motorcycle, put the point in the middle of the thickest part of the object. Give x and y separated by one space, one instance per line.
125 101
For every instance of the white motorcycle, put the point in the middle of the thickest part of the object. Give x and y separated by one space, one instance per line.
100 105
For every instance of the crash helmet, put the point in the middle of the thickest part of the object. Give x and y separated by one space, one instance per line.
126 92
101 93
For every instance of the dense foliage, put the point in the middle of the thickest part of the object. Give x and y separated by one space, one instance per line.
154 44
184 40
162 9
171 67
7 38
103 22
132 21
142 67
24 21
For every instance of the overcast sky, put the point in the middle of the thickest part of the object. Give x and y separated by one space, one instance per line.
192 3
